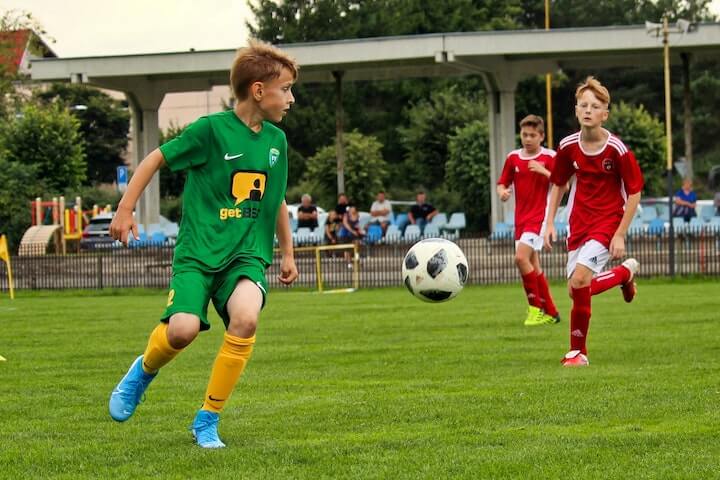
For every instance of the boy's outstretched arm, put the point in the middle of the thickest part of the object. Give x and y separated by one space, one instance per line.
553 204
123 222
288 270
617 244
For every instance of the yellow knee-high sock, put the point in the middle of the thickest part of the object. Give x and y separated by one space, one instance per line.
159 352
229 365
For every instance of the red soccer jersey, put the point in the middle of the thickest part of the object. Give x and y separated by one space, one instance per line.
603 180
531 189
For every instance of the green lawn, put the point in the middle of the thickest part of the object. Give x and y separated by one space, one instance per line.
374 384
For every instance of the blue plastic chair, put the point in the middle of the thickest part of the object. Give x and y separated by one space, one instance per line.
374 234
649 213
412 233
401 220
501 231
431 231
656 226
158 238
393 234
439 220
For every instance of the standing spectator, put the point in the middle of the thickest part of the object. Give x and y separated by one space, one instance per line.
380 211
685 201
342 207
422 212
307 213
716 202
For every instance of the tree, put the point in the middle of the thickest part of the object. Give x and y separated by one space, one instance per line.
645 136
104 125
20 185
431 123
468 170
48 138
171 183
366 170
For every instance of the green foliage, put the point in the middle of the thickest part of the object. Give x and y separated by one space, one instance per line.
95 195
171 183
171 208
104 126
645 136
48 138
20 185
468 171
431 123
365 170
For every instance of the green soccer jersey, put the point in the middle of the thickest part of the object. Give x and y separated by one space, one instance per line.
236 182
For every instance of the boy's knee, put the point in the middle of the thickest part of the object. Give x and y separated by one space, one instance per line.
243 324
182 330
579 281
521 261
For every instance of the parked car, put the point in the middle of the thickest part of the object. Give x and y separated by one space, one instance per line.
97 233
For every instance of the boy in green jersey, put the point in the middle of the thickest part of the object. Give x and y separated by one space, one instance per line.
233 203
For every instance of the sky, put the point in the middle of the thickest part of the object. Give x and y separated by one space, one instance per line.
115 27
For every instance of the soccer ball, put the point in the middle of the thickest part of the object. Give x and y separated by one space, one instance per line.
435 270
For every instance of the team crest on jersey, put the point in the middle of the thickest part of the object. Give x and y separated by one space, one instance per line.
274 155
607 164
247 185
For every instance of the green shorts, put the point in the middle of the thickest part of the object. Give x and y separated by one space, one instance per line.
192 289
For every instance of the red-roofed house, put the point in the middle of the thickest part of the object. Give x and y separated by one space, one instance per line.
18 47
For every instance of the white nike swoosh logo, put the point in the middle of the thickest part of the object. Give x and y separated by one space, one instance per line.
232 157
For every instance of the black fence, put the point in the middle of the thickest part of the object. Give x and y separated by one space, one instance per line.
697 252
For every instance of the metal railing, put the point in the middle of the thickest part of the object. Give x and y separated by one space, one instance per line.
697 252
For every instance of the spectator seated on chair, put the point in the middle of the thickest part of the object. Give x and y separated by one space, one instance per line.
307 213
381 211
350 230
685 201
422 212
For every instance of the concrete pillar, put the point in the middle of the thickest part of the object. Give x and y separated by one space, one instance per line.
145 100
501 110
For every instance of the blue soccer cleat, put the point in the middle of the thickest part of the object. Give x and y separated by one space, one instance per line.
204 429
127 394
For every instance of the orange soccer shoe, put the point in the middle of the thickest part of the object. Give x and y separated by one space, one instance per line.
629 288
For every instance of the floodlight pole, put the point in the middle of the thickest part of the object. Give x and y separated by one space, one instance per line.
668 145
548 88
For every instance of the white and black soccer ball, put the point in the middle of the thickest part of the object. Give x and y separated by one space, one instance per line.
435 270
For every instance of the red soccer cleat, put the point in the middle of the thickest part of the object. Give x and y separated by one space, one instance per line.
629 288
575 358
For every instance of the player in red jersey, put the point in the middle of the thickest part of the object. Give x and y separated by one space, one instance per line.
603 199
528 171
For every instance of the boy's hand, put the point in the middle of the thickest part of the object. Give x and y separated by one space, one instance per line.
549 237
537 167
122 224
288 270
617 247
504 194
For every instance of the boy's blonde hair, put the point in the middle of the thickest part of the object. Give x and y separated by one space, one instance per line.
591 83
258 62
535 122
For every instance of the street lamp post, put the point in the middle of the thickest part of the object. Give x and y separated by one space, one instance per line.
683 26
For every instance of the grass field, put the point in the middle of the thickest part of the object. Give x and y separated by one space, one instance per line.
373 384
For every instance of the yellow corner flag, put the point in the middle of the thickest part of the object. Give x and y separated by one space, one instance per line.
5 256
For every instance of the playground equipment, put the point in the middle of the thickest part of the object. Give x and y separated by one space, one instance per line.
54 224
